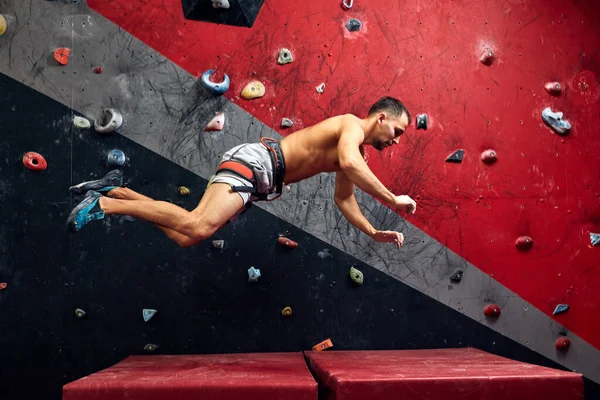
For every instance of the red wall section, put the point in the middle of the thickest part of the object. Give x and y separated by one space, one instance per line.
426 53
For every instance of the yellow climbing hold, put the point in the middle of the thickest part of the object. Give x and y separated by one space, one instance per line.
253 90
286 311
184 191
2 24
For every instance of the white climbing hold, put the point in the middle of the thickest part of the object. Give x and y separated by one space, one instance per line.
148 313
81 123
555 121
253 274
321 88
286 123
219 244
111 120
217 123
285 57
347 4
220 3
595 238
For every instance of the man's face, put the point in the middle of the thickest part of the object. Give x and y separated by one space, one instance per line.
389 129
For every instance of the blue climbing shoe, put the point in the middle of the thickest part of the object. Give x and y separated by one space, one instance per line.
110 181
86 211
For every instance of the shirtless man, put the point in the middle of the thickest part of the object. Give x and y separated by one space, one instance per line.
257 171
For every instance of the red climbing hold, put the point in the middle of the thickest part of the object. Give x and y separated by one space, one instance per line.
487 58
3 285
524 243
61 55
489 156
34 161
492 310
98 70
553 88
287 242
562 344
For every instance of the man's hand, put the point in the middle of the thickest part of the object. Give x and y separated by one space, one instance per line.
389 237
405 203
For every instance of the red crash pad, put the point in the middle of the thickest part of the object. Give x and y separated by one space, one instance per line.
207 377
465 374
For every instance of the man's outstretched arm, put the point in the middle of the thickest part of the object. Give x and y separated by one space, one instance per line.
346 202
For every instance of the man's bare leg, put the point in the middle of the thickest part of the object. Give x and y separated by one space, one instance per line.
122 193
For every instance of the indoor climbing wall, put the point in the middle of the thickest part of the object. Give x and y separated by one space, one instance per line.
502 244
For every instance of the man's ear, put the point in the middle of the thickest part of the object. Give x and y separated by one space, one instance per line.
380 118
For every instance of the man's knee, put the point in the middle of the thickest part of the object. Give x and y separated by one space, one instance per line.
202 228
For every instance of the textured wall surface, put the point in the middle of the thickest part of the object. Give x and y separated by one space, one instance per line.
425 53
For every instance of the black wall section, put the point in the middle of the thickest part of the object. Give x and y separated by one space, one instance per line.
239 13
114 268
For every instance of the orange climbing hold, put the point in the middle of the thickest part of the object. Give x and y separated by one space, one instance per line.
61 55
34 161
562 344
325 344
524 243
287 242
492 310
3 285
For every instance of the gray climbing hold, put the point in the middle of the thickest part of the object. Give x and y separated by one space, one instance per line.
561 308
253 274
595 238
150 347
555 121
321 88
356 276
347 4
81 123
456 276
353 25
285 57
148 313
116 158
286 123
215 87
456 157
220 4
111 120
422 121
219 244
79 313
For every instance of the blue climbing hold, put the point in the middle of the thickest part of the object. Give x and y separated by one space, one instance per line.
215 87
353 25
253 274
555 121
148 313
595 238
116 158
561 308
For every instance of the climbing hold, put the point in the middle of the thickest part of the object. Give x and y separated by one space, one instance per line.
325 344
79 313
286 123
524 243
217 123
3 285
562 343
553 88
487 58
219 244
492 310
220 4
287 311
321 88
353 25
253 274
253 90
2 24
61 55
555 121
456 157
98 70
81 123
489 156
347 4
148 313
456 276
356 276
34 161
422 121
111 119
561 308
183 191
595 238
116 158
285 57
150 347
215 87
287 242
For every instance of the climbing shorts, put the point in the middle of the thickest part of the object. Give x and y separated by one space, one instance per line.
253 170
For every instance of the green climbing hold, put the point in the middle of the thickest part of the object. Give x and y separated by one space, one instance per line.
356 276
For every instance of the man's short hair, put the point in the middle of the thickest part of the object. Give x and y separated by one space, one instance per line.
391 105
